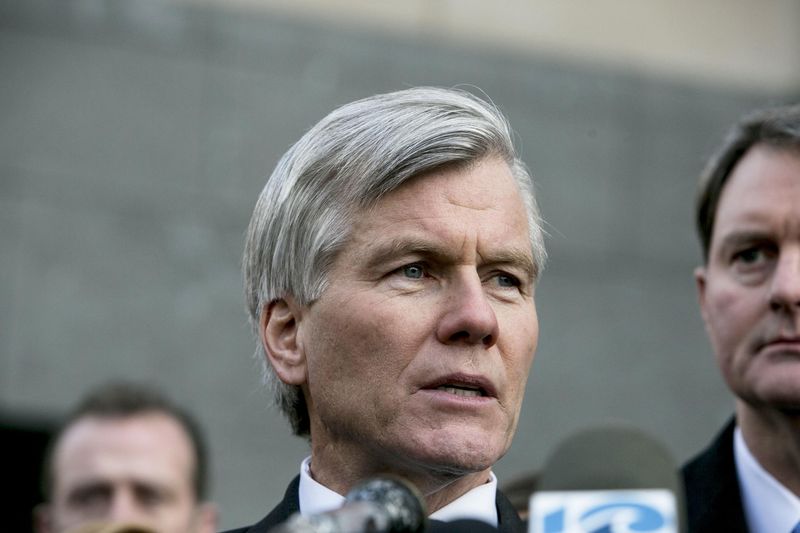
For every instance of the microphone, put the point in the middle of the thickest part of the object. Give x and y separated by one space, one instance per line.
378 505
608 480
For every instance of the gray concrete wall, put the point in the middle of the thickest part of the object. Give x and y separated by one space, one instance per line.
135 137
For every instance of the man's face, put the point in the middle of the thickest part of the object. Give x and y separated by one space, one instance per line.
133 469
750 287
418 351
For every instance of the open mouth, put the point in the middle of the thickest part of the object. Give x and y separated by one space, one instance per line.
463 390
463 385
790 343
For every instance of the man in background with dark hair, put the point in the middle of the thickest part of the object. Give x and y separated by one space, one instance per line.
748 216
127 454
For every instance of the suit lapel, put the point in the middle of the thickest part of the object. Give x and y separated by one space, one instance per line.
508 520
713 500
286 508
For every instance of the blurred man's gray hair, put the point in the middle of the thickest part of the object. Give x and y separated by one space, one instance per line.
345 164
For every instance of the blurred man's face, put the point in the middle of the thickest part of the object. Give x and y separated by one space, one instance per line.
419 349
134 469
750 288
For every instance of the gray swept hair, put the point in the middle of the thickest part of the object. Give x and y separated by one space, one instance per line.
346 163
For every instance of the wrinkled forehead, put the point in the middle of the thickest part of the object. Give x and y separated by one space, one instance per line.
481 203
429 183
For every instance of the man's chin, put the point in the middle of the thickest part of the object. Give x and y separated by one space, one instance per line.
792 412
458 466
458 458
783 397
787 404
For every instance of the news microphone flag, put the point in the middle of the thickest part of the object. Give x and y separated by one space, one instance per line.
608 480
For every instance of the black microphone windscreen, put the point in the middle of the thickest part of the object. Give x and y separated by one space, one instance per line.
385 504
402 502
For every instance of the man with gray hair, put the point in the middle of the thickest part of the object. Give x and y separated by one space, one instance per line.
390 269
748 217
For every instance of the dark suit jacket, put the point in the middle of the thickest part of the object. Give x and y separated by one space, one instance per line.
508 519
713 498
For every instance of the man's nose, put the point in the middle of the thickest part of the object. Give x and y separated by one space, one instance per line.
785 289
469 317
124 508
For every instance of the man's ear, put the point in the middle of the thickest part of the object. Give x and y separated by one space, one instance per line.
700 279
207 517
278 329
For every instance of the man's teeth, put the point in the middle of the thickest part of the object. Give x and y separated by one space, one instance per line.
459 391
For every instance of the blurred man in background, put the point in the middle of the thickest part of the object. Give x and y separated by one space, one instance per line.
749 222
126 454
390 269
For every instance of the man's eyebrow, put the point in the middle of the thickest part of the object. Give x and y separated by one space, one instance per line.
388 251
737 238
88 487
394 248
521 259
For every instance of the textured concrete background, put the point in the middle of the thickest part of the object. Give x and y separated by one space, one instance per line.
135 137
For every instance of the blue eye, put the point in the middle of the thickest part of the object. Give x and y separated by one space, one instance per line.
506 280
413 271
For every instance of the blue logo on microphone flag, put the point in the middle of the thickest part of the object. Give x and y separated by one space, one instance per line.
603 511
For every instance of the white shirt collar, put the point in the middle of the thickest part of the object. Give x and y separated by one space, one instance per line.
477 504
769 507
